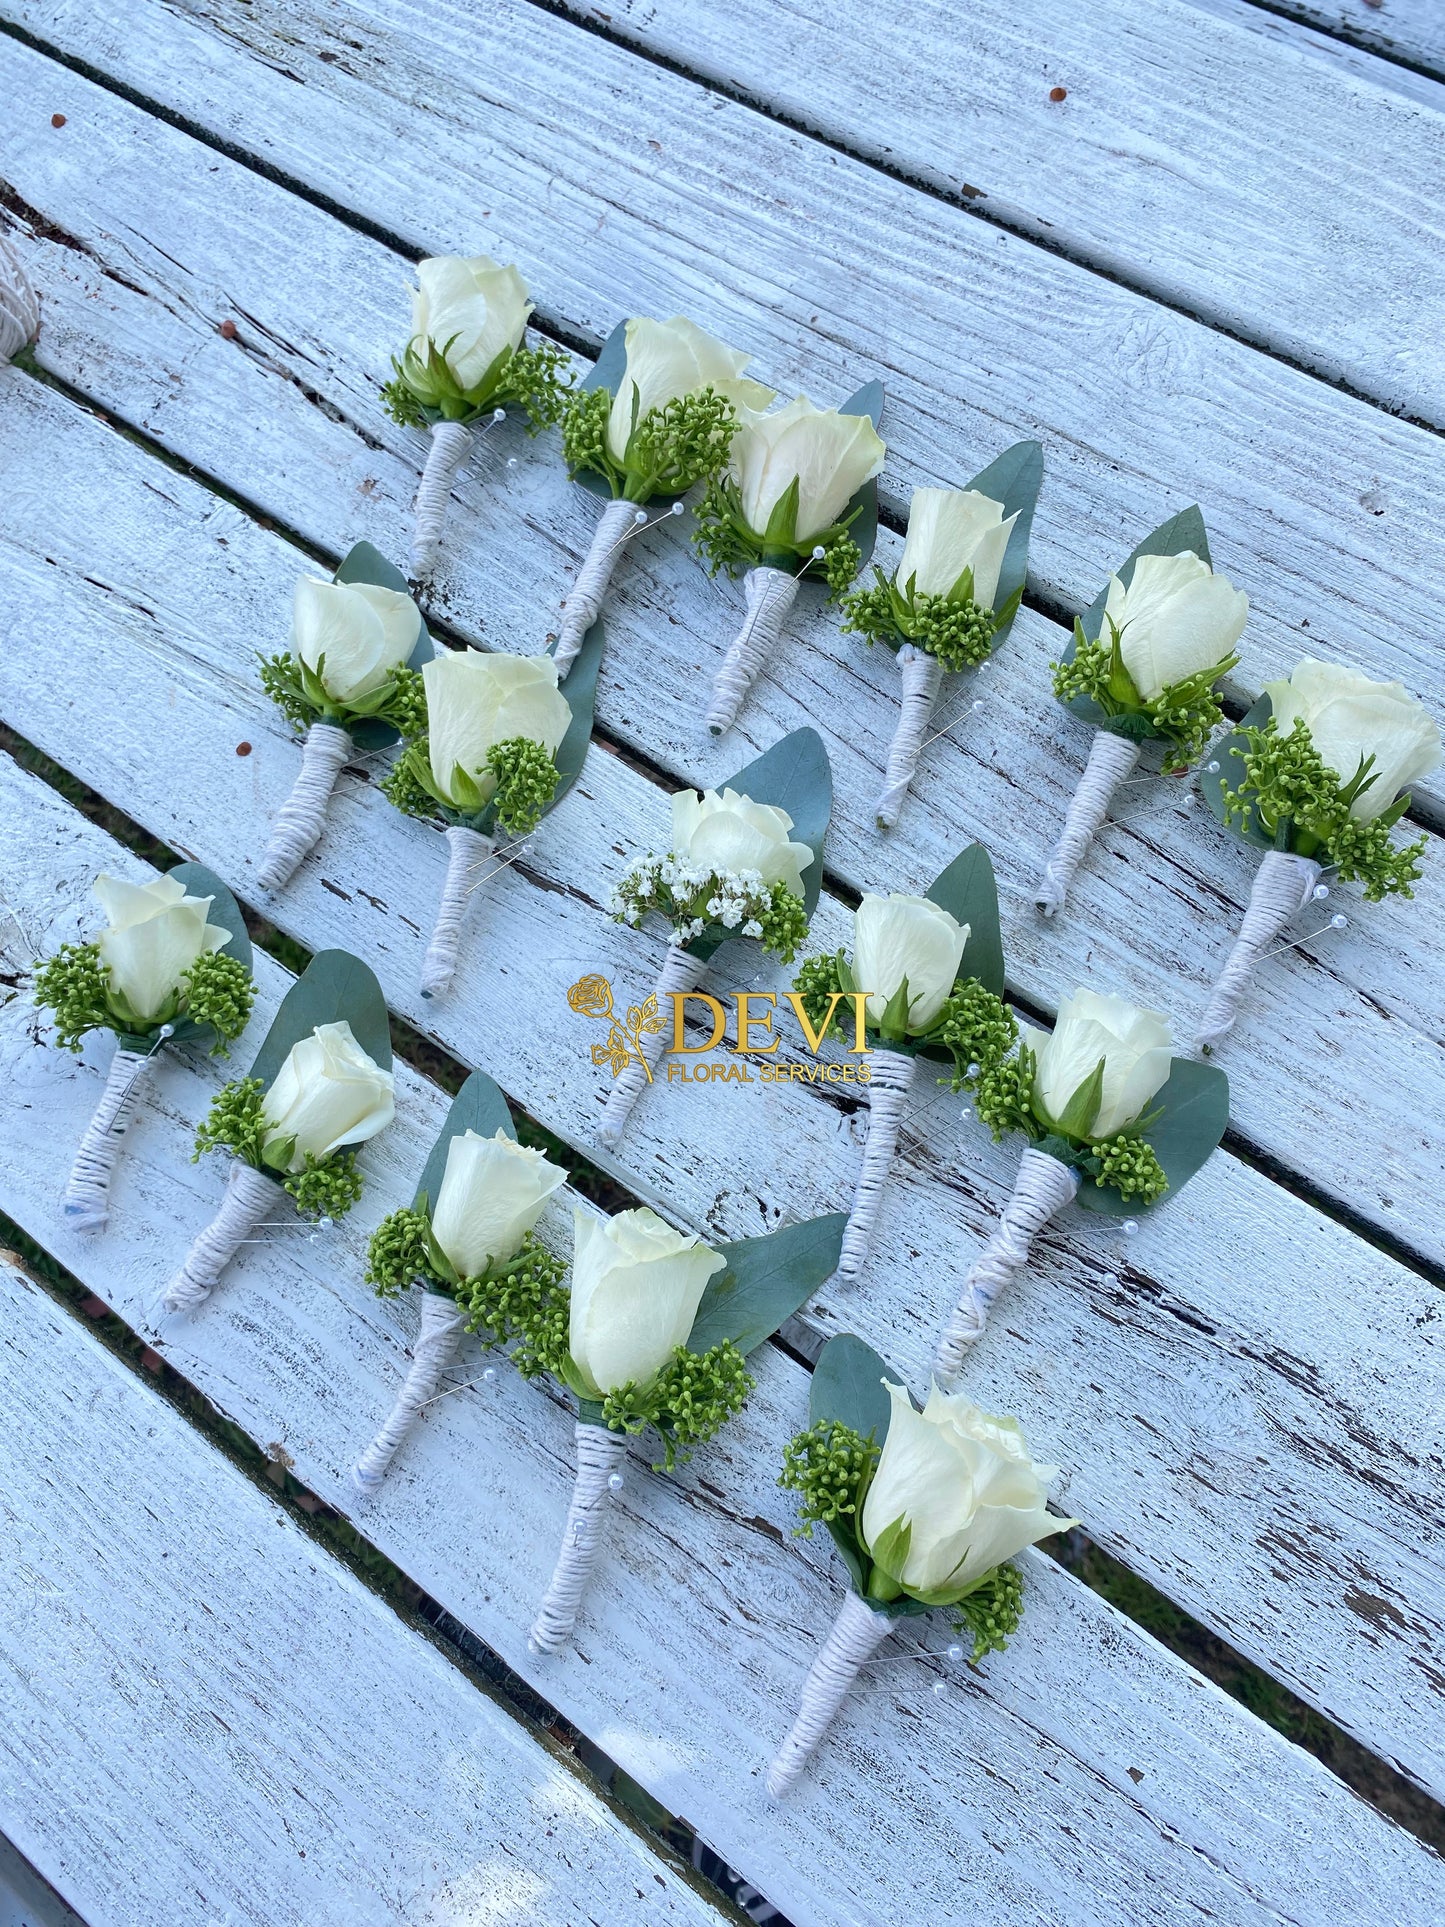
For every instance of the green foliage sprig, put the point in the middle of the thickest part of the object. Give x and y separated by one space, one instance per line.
669 450
1293 795
831 1467
699 902
689 1402
75 985
726 541
526 781
326 1188
1181 716
957 630
974 1026
301 695
424 390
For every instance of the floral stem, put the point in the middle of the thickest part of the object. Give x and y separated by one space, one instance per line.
619 519
681 971
921 676
1111 758
467 851
450 445
599 1453
301 818
854 1637
770 596
891 1077
1043 1186
1283 885
87 1192
435 1348
249 1195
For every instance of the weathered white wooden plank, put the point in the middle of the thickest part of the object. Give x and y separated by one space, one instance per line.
137 331
1085 1777
621 188
207 1719
1408 30
1149 171
1316 1378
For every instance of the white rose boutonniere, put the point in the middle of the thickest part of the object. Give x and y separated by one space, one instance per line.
1315 776
798 497
1143 667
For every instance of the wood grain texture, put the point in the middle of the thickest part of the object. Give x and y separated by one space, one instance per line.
287 415
621 188
1408 30
1084 1777
1149 171
1229 1390
207 1719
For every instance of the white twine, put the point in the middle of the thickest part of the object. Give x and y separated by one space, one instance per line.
891 1075
853 1638
467 852
248 1196
87 1191
19 305
435 1348
450 445
1283 885
599 1453
301 818
1111 758
770 594
681 971
922 677
1043 1186
619 521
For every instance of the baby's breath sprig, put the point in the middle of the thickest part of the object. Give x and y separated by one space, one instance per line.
828 1466
689 1402
1182 715
1291 792
695 901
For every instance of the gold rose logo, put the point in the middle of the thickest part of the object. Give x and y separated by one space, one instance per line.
592 997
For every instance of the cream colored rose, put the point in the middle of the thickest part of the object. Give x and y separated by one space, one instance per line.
154 933
471 309
492 1194
731 833
327 1093
963 1484
667 360
1349 718
832 456
475 701
1134 1044
950 530
1176 617
354 635
901 937
636 1287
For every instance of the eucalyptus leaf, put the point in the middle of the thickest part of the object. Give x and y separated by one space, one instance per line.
478 1106
794 775
363 563
968 890
863 529
767 1279
334 988
1230 755
1195 1106
1013 480
606 372
579 686
1182 531
848 1387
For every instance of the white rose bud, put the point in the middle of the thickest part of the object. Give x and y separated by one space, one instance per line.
667 360
327 1093
1349 718
831 454
471 309
1134 1044
731 833
898 937
963 1482
636 1287
354 635
155 933
950 530
475 701
1176 617
492 1194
